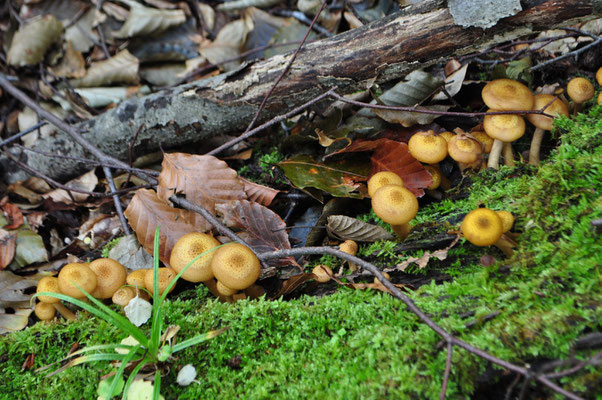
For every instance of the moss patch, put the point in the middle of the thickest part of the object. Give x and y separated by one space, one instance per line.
363 344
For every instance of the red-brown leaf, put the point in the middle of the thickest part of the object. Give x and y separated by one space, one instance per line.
265 229
8 244
204 180
13 215
258 193
395 156
146 211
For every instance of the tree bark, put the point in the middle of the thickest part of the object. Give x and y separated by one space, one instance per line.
416 37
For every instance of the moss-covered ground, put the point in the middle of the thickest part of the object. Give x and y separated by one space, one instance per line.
364 344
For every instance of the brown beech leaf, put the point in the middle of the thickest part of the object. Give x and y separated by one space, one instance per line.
440 254
204 180
265 229
12 296
146 211
87 182
343 227
293 283
13 215
395 156
258 193
8 244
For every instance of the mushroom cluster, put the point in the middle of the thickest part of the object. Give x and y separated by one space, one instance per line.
485 227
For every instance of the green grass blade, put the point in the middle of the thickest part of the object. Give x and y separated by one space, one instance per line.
157 385
197 339
156 312
132 376
104 312
88 358
121 368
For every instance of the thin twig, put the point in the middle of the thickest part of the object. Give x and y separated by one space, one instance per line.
273 121
118 207
448 362
22 133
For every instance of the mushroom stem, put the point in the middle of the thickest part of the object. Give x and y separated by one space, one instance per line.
402 230
535 146
64 311
577 108
494 155
508 155
506 245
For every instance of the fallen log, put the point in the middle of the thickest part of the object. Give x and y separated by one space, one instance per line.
416 37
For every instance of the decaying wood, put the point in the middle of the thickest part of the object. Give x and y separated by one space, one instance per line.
416 37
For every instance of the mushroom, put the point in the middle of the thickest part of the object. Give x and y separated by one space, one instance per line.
381 179
427 147
322 273
543 123
123 295
110 276
396 206
507 220
579 90
44 311
599 76
48 284
507 95
466 151
504 128
447 135
386 274
482 227
73 275
600 98
350 247
136 278
225 290
435 175
186 249
484 139
166 275
236 266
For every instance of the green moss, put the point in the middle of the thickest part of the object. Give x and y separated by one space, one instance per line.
365 344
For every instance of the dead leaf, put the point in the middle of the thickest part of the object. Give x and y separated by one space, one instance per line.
87 182
72 65
343 227
8 244
204 180
293 283
453 83
13 215
146 211
130 254
227 45
30 42
121 68
145 20
423 261
12 296
395 156
265 230
259 193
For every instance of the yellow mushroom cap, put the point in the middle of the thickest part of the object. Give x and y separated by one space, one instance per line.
427 147
599 76
395 204
484 139
386 274
136 278
482 227
464 150
186 249
447 135
435 174
44 311
507 220
507 95
225 290
600 98
322 273
381 179
349 247
78 274
580 90
110 276
166 275
236 266
556 108
504 127
123 295
48 284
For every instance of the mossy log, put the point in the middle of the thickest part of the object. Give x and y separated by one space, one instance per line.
418 36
